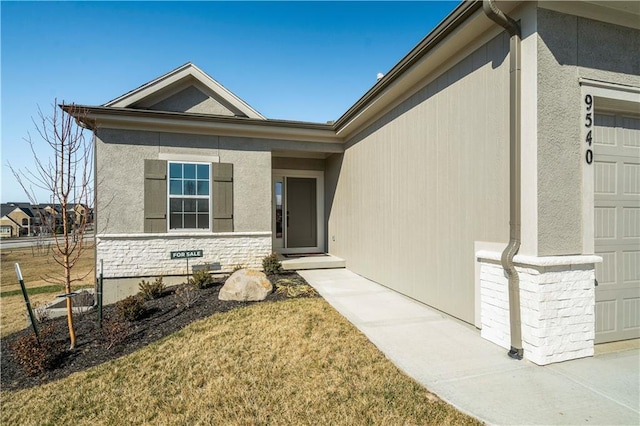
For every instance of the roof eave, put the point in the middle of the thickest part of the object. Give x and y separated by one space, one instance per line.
95 117
454 20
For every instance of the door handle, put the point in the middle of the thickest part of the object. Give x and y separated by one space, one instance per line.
287 218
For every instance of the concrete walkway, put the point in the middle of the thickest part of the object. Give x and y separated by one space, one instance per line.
451 360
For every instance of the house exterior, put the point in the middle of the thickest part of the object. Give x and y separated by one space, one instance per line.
16 219
412 185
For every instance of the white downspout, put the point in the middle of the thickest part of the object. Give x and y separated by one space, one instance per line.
513 28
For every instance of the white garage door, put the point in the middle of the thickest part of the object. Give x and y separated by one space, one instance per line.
617 226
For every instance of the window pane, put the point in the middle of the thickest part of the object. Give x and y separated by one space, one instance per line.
175 170
203 171
189 171
203 206
189 205
175 221
203 187
175 187
189 187
189 221
175 205
203 221
278 190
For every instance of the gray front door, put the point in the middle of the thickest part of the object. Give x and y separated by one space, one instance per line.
301 215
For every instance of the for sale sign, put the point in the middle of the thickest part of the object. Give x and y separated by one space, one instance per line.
186 254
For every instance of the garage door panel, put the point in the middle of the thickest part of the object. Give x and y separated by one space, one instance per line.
631 178
630 222
630 131
631 267
606 272
606 177
617 226
606 317
631 317
605 223
617 314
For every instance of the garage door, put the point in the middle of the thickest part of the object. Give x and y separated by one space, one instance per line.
617 226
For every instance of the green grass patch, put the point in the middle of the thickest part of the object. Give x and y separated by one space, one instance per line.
33 290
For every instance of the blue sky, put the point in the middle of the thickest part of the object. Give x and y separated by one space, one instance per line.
305 61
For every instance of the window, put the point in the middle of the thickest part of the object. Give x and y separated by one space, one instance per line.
189 195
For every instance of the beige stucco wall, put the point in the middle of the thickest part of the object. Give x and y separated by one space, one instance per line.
120 172
120 175
570 47
15 229
414 191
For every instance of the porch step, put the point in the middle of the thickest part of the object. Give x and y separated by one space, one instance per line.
312 262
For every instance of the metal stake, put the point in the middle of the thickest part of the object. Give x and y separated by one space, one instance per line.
27 303
100 295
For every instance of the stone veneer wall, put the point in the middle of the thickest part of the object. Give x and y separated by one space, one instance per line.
144 255
557 299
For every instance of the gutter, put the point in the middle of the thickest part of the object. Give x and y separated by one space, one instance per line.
513 28
228 126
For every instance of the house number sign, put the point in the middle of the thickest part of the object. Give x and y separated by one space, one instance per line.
588 101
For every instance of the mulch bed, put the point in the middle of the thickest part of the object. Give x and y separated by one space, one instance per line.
163 318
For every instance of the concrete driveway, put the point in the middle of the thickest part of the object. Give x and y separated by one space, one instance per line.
451 360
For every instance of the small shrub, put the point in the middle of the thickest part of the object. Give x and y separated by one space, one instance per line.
41 314
130 309
186 296
236 268
201 279
271 264
113 332
83 301
151 290
34 357
292 288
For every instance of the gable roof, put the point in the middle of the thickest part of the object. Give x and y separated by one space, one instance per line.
7 208
178 79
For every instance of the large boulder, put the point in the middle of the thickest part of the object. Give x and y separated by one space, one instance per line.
246 285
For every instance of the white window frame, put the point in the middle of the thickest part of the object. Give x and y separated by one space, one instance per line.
195 197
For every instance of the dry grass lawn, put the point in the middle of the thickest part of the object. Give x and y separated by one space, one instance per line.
34 270
294 362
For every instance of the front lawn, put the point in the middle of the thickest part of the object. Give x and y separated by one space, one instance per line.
36 266
289 361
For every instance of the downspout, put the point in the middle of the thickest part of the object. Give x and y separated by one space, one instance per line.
513 28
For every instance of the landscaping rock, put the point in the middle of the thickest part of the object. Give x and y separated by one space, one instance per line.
246 285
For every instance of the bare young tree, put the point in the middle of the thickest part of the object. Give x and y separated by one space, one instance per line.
66 176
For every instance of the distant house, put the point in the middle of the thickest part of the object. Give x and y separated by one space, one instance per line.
22 219
16 220
413 186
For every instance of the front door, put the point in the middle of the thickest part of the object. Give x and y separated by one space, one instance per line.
297 202
301 218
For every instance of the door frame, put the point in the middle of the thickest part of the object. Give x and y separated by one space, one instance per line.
280 175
